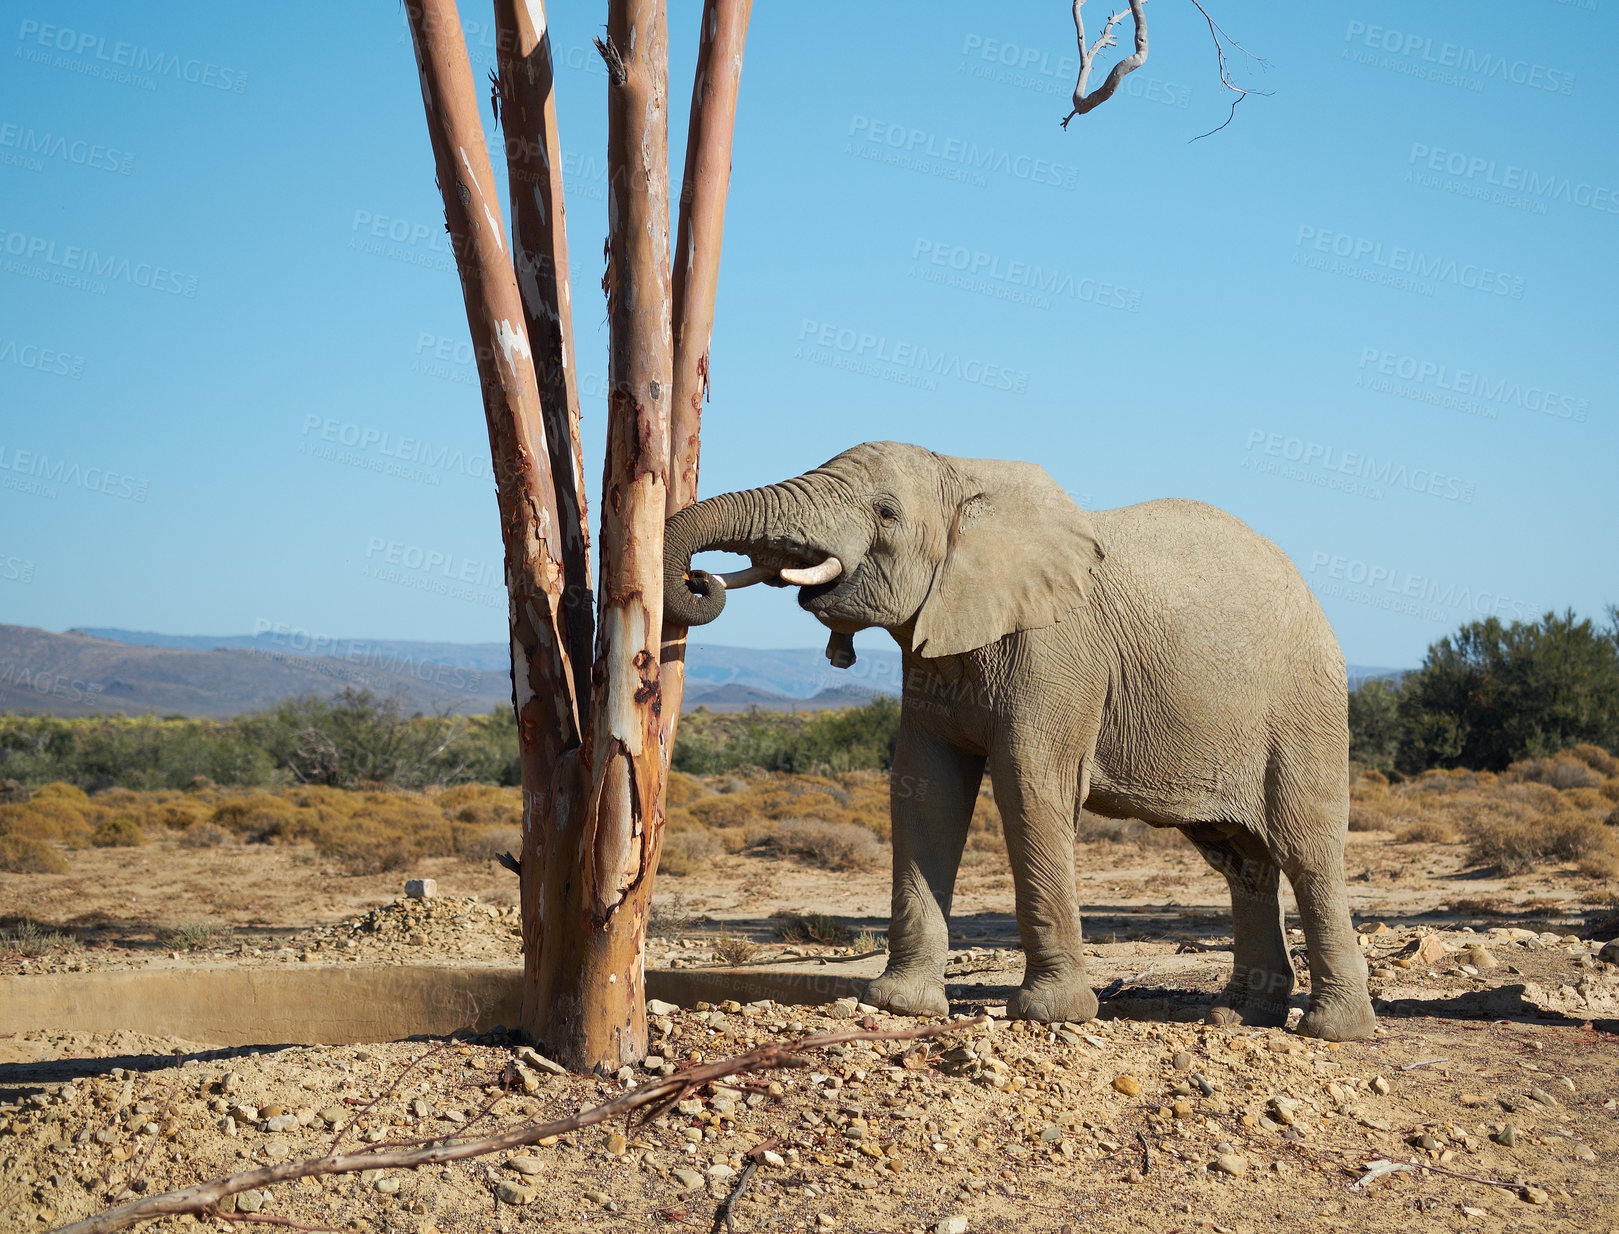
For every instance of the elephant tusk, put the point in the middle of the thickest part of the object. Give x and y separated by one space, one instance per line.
810 576
743 578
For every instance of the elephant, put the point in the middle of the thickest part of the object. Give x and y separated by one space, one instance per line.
1161 662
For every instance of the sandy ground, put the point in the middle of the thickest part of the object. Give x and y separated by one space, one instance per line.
1506 1019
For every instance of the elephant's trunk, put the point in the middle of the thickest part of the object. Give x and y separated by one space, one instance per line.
765 523
734 522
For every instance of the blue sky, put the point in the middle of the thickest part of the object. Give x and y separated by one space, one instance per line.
1372 316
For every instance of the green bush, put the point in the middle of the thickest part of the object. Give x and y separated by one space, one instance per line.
120 831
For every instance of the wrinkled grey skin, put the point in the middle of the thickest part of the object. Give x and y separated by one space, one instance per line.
1160 662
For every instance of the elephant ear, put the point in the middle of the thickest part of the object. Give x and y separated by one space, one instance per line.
1020 556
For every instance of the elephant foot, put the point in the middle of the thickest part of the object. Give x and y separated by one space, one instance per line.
909 994
1050 1001
1339 1015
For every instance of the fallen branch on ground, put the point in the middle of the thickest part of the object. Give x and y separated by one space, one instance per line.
653 1097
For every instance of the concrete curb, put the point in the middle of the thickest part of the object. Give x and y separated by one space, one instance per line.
342 1005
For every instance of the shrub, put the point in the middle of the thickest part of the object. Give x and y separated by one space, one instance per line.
199 936
682 789
1427 831
1559 771
733 949
24 939
1596 758
119 831
367 847
203 835
27 855
51 819
256 817
59 791
687 851
810 928
832 846
488 844
1513 846
1365 818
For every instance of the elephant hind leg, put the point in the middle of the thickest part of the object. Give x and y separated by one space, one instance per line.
1261 972
1308 826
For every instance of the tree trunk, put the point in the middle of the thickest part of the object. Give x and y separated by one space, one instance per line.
696 276
594 738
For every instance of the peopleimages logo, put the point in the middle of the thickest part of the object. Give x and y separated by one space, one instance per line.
1398 261
1476 175
129 63
1379 474
911 147
1416 595
1023 282
24 147
76 266
1455 388
877 355
1425 55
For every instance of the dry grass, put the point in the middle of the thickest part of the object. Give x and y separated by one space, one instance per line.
1545 811
831 846
734 950
811 928
27 855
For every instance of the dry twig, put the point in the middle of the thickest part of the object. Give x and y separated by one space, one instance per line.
1087 57
656 1095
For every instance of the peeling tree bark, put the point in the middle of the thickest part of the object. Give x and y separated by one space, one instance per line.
594 724
696 276
589 1005
543 689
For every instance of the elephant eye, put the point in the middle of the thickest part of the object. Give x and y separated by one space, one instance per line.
887 512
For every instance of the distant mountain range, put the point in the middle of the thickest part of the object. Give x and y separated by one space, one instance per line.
103 670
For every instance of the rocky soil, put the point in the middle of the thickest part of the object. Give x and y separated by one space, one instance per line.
1493 1080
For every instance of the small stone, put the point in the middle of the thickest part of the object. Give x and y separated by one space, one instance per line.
1285 1110
844 1009
1431 949
954 1224
1231 1163
1584 1152
1536 1195
597 1197
656 1006
1050 1134
1128 1085
1542 1096
277 1150
510 1192
419 1107
1609 952
1380 1086
525 1165
387 1186
1482 958
773 1159
281 1122
335 1116
250 1201
271 1111
533 1058
421 888
689 1179
1182 1108
616 1144
1182 1061
1507 1137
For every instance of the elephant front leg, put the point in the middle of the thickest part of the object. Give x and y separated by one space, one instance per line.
1037 808
931 797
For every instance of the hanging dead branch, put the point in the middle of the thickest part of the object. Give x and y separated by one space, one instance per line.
657 1095
1087 57
1221 38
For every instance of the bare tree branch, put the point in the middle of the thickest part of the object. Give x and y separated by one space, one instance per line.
1220 38
1087 57
695 278
203 1197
